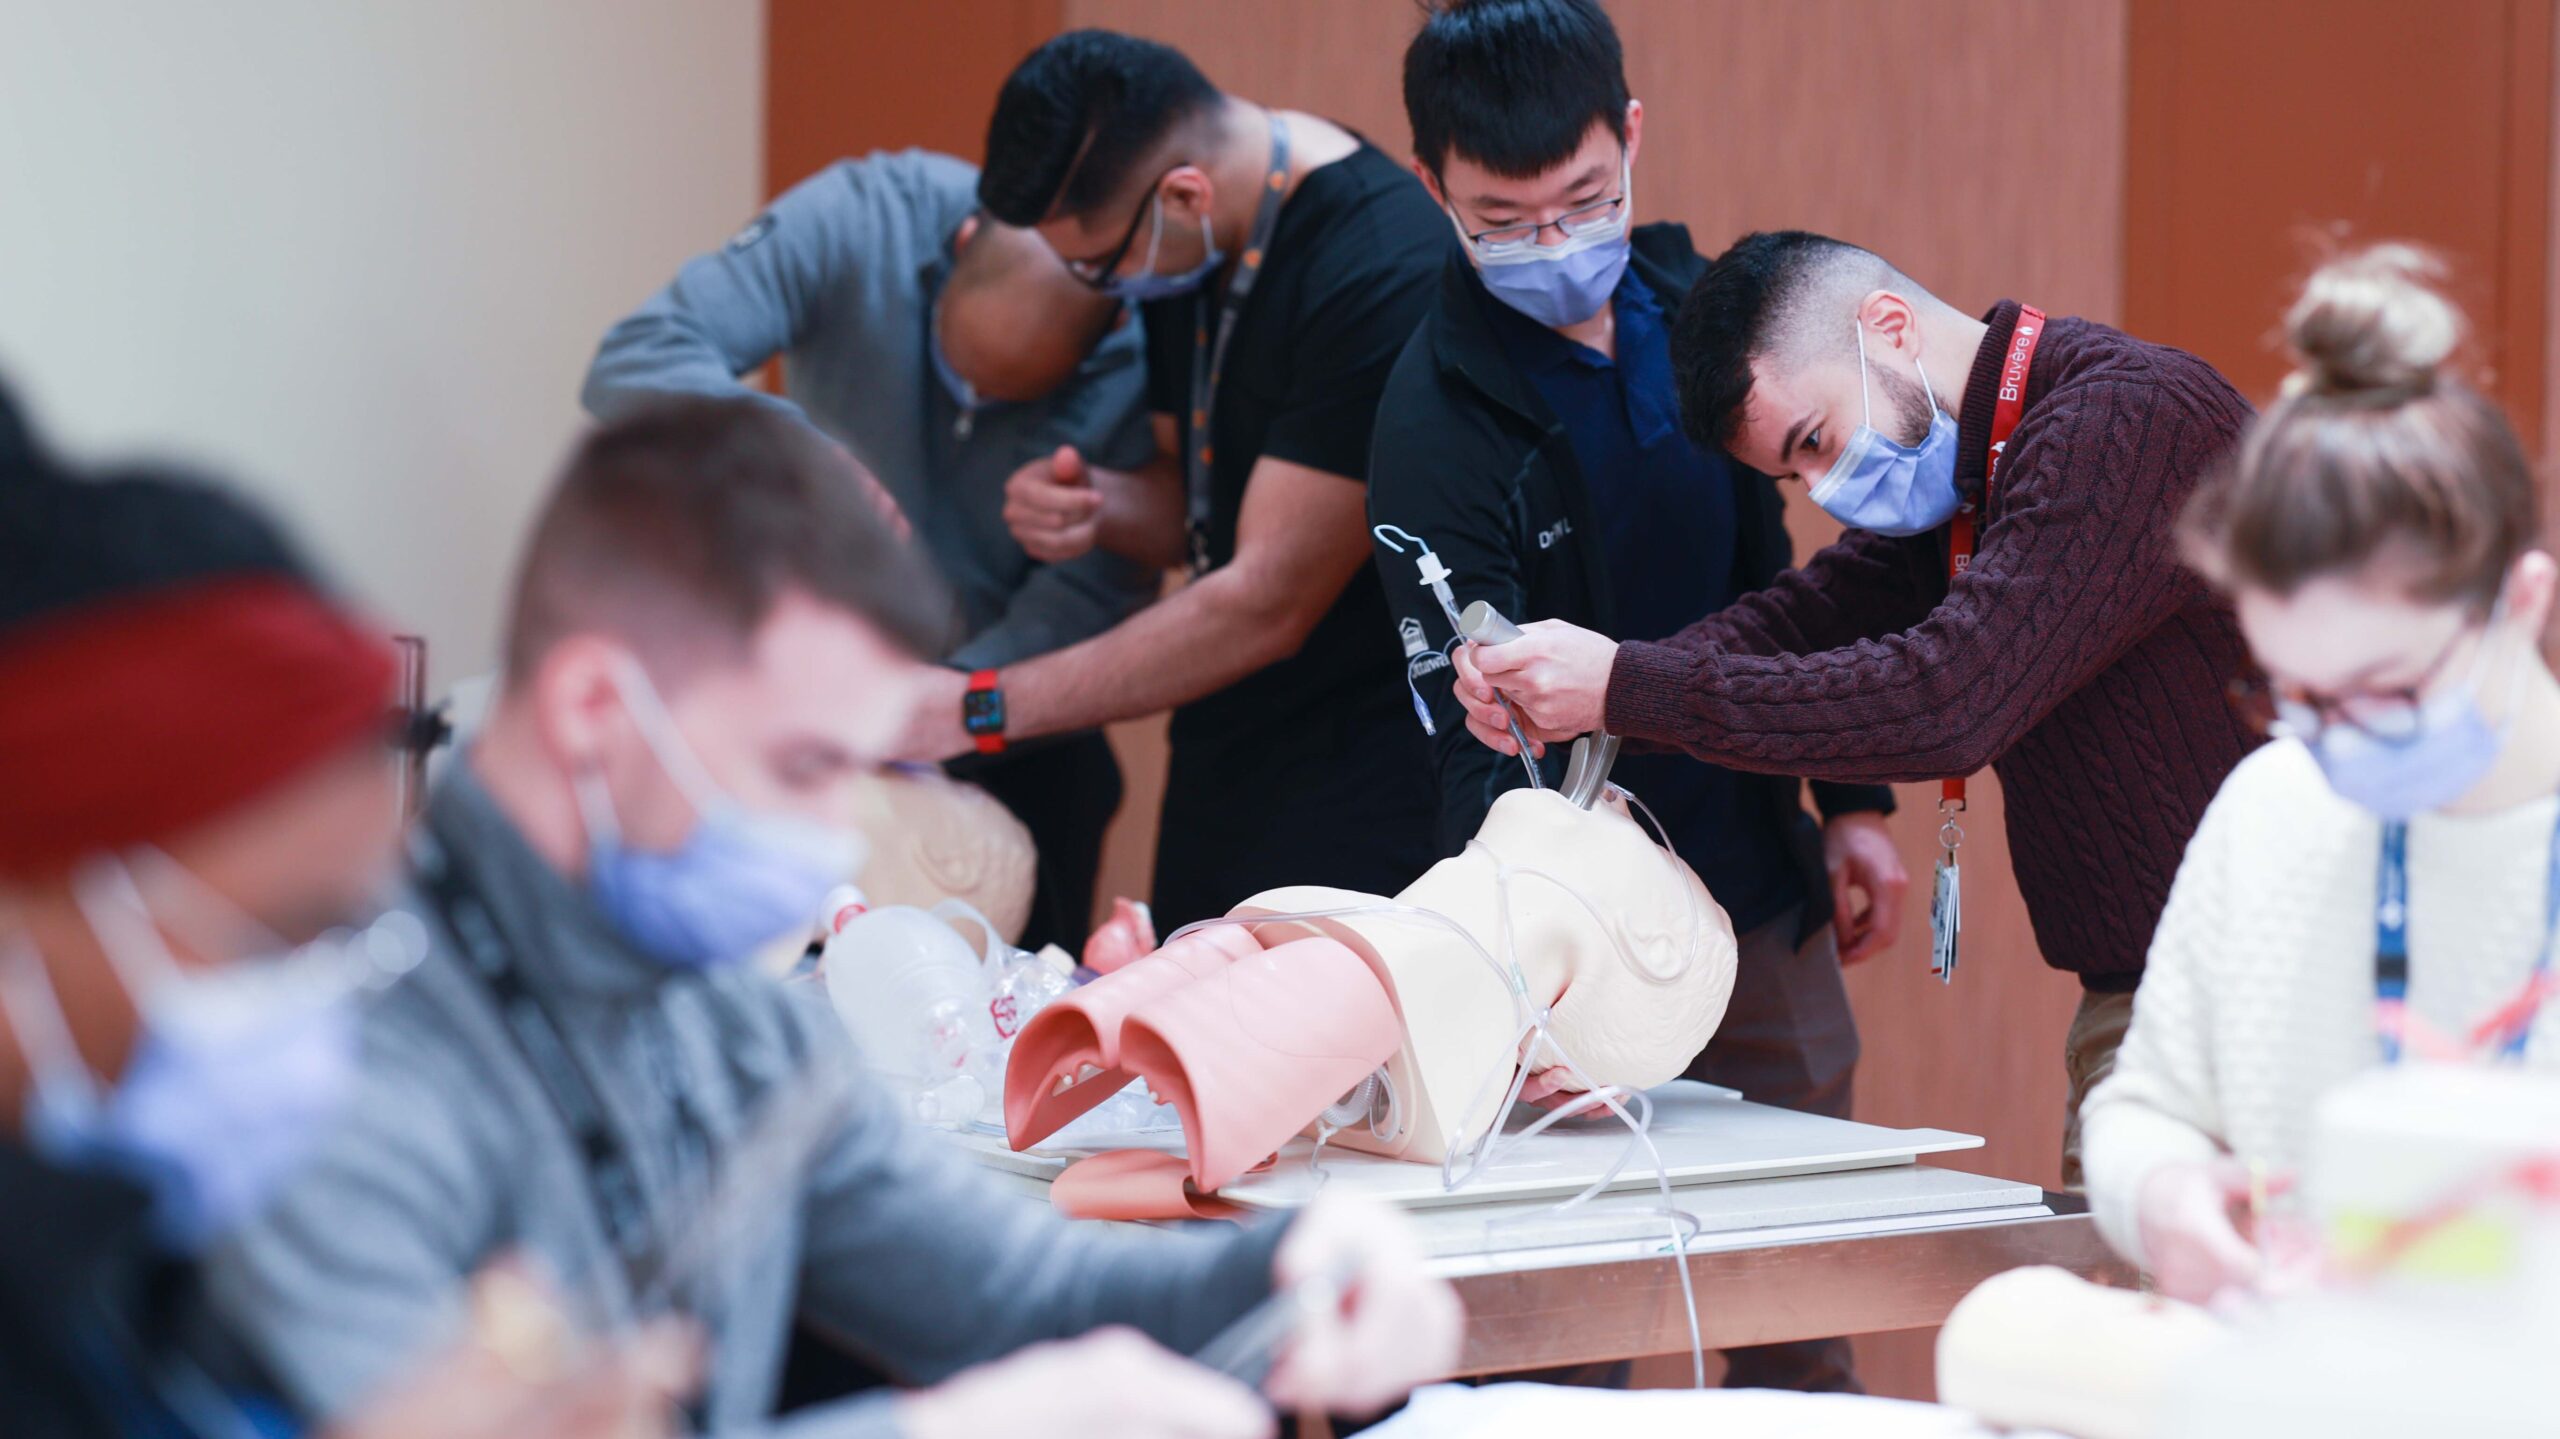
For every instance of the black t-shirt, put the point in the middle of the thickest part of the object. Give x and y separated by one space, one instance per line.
1317 754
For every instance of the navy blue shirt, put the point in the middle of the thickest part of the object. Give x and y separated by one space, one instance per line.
1667 522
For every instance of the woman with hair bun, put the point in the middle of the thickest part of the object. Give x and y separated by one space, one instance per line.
2389 868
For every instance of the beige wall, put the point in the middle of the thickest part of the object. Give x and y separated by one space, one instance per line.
358 254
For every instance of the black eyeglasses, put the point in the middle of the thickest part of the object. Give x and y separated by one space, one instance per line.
1096 274
1574 224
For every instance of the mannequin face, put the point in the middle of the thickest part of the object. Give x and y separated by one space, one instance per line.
935 838
1612 930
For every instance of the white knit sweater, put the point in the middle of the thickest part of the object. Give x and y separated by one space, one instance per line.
2258 997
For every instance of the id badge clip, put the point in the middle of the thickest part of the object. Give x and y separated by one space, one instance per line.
1946 895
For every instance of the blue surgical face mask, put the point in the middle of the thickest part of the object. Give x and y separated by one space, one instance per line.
2449 748
1565 283
1147 285
235 1072
740 878
1891 488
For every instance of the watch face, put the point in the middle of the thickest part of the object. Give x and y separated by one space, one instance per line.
982 711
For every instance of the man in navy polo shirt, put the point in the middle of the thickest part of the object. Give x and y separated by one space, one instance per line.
1530 435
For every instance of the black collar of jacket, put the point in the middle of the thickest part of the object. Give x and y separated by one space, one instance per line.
65 1225
76 1238
1463 342
90 1299
1467 352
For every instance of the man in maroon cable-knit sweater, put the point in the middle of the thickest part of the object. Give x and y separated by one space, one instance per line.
2074 656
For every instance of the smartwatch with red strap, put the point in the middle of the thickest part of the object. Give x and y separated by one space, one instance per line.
982 712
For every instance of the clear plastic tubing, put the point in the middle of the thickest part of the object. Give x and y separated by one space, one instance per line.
1632 1107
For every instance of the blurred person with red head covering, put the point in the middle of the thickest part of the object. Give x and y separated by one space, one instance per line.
199 812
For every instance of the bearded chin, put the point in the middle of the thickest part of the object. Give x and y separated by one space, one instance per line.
1909 406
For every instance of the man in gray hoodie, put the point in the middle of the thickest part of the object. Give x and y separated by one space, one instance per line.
711 635
945 352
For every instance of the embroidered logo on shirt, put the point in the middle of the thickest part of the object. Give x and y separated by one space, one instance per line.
1428 661
757 229
1547 537
1410 631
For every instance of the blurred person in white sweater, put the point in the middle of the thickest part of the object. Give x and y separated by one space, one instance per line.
2383 878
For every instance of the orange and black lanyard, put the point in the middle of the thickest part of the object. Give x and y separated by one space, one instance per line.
1209 350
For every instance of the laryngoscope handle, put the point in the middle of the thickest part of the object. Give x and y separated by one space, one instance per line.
1482 624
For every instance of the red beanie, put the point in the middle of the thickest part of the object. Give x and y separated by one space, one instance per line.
134 719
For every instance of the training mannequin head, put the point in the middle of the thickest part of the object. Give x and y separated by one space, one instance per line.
1522 128
1111 147
709 609
2380 530
159 806
1612 931
936 838
1254 1030
1011 321
1767 347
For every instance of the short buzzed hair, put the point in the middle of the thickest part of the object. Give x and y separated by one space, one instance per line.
678 526
1787 292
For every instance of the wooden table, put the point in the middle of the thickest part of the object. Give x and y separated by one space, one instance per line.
1626 1306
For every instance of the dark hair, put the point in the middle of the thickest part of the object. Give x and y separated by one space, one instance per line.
1512 85
70 538
688 519
2374 449
1077 116
21 458
1769 289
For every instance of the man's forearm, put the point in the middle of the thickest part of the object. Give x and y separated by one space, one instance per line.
1142 514
1196 641
1060 605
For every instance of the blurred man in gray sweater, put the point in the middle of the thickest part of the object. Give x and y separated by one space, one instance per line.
945 352
711 635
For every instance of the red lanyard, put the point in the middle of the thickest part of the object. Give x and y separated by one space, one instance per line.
2006 409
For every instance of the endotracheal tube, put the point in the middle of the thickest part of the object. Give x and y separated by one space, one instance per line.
1374 1101
1435 578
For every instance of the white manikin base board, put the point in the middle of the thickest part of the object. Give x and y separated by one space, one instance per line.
1705 1135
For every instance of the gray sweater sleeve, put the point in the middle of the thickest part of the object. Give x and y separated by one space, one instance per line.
357 1272
1104 414
919 1261
731 310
